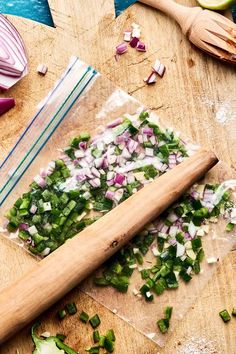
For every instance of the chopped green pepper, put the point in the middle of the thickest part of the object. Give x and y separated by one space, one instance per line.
95 321
224 314
84 317
71 308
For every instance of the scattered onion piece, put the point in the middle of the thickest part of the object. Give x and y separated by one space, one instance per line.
121 48
141 47
134 42
152 78
159 68
127 35
42 69
6 104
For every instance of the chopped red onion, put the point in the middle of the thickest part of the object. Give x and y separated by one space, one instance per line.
132 145
153 140
118 194
95 172
141 156
172 217
115 122
173 231
33 209
6 104
149 152
152 78
110 182
119 178
43 172
192 230
159 68
121 48
125 153
98 162
110 175
165 229
148 131
127 35
79 154
75 162
83 163
110 195
180 251
23 226
80 177
134 41
42 69
141 47
32 230
140 139
40 181
88 173
95 182
83 145
136 33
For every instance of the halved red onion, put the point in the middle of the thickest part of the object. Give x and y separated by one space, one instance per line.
6 104
13 59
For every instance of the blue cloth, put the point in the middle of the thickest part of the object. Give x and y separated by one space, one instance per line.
121 5
37 10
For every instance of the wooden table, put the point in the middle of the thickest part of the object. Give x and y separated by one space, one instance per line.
196 96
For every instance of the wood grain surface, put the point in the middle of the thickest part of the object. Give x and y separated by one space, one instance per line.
196 96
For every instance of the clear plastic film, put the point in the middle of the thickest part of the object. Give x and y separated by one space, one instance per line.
82 100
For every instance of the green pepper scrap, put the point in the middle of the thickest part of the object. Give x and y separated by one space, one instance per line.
51 345
164 323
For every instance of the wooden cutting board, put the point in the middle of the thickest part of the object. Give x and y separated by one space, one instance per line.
197 96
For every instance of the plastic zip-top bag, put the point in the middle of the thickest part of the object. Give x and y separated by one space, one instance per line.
89 147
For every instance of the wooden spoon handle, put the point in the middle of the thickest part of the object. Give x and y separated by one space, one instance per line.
182 14
61 271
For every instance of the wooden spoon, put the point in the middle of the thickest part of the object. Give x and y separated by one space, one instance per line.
208 30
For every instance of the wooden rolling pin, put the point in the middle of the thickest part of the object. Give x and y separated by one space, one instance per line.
54 276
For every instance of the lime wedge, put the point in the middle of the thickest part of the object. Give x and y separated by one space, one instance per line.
216 4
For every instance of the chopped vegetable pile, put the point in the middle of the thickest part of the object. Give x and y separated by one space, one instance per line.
175 240
92 177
